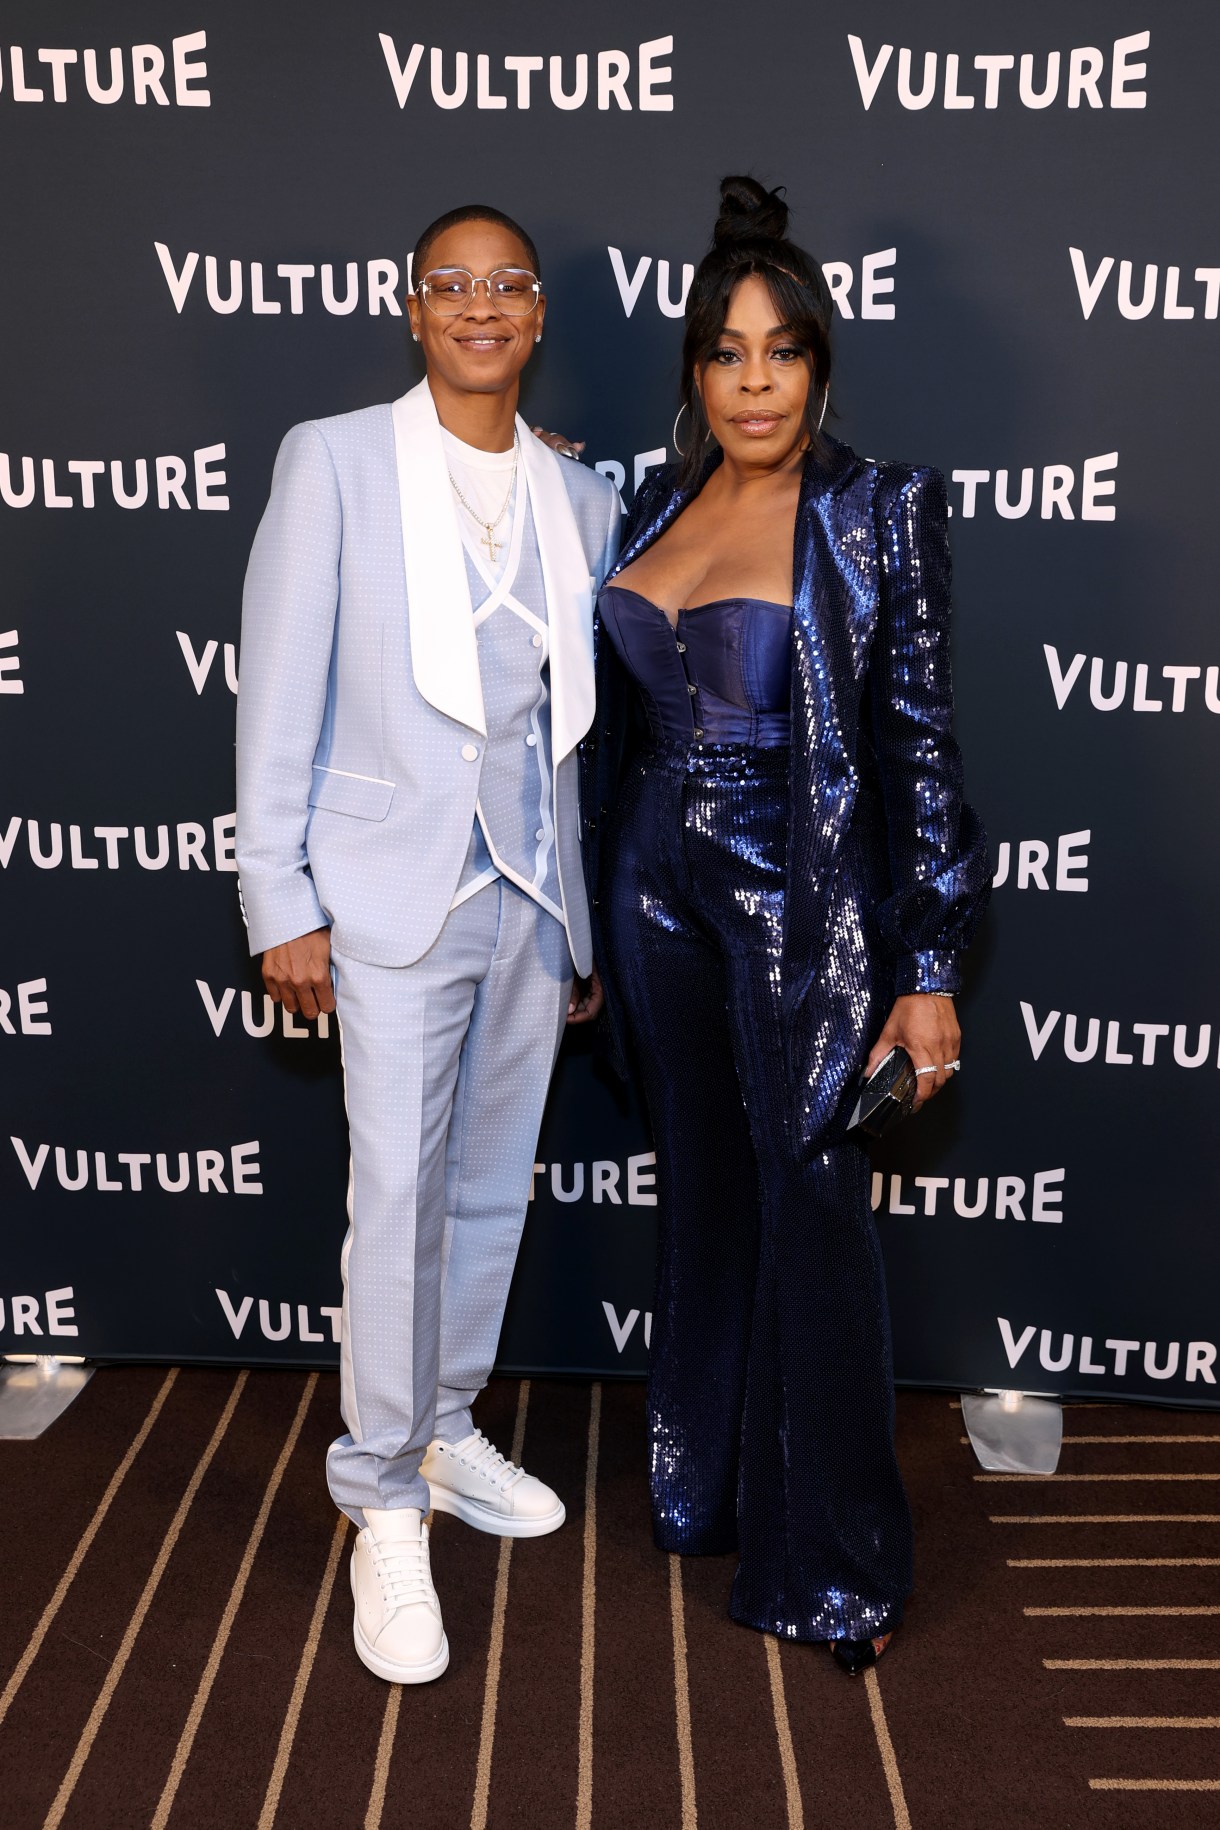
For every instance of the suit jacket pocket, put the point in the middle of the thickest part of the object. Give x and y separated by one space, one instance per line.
366 797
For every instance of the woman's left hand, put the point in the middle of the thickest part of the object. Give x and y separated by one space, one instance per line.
587 999
926 1027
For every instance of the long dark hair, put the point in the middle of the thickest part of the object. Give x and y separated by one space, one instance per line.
750 236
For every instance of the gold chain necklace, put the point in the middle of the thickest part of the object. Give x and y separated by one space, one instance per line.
489 537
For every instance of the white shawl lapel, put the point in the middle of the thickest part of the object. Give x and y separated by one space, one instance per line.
569 594
444 652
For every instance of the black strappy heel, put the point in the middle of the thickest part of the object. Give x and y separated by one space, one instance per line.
856 1655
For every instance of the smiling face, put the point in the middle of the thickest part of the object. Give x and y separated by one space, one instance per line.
482 351
755 384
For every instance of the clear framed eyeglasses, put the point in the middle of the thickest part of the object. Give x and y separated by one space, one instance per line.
448 291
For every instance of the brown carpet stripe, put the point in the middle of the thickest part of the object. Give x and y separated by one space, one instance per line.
965 1440
283 1752
1167 1437
588 1620
783 1734
97 1713
686 1757
204 1690
1077 1613
82 1549
1141 1721
1155 1785
1014 1479
1106 1518
385 1753
1114 1562
495 1649
889 1760
1132 1664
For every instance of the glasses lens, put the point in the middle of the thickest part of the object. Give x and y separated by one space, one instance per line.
514 290
447 291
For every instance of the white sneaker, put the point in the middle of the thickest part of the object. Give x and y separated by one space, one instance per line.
397 1628
474 1481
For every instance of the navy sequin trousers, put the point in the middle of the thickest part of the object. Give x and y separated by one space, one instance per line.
771 1390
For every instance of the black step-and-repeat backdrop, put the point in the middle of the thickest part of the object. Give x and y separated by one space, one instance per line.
207 210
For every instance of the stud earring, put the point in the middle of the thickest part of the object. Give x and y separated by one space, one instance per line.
538 338
415 336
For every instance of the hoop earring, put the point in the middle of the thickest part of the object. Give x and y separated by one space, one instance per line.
825 399
674 434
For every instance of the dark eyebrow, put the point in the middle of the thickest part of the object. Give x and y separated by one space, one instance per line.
777 330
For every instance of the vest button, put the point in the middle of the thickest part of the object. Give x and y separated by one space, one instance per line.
469 753
692 690
536 642
531 740
681 647
540 834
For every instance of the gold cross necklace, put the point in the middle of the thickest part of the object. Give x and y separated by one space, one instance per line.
488 538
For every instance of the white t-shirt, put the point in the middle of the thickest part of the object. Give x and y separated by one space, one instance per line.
483 478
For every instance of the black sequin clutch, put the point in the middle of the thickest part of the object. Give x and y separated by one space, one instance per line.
887 1097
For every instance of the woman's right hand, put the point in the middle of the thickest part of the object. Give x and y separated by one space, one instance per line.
297 974
566 447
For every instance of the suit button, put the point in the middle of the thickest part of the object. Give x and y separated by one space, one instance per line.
531 740
469 753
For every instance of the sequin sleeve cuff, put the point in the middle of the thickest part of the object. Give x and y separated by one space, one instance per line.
934 970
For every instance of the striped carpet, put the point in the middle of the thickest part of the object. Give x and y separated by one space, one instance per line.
175 1636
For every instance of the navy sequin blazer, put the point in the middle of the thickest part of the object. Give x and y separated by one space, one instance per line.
887 865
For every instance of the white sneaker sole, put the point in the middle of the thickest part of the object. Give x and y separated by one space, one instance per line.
490 1518
392 1670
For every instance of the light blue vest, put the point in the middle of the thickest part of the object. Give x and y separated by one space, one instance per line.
514 831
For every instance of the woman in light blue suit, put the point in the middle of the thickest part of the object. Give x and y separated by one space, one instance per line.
416 675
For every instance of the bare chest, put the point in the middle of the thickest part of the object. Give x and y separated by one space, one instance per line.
715 551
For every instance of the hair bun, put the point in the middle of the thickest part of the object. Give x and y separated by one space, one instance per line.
749 212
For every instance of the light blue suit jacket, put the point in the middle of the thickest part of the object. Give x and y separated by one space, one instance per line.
360 730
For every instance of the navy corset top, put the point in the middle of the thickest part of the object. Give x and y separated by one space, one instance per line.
723 676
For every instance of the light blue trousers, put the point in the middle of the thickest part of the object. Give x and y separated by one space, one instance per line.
446 1065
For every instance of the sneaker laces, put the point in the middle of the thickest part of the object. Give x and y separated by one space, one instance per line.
403 1571
483 1458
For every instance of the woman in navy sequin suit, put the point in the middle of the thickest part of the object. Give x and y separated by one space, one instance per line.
785 877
